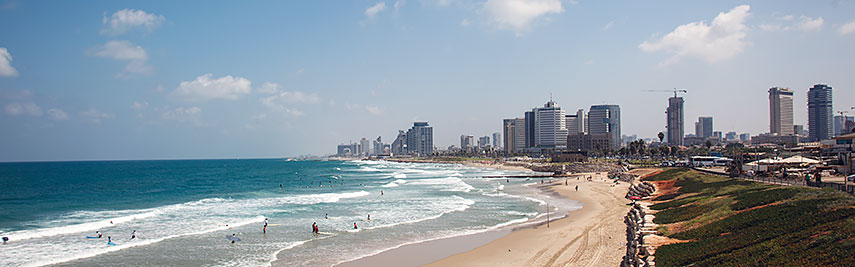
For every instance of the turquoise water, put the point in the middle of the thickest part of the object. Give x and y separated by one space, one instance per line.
183 210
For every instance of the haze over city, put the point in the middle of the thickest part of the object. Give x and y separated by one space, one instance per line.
146 80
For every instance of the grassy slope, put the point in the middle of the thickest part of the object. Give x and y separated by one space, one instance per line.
738 223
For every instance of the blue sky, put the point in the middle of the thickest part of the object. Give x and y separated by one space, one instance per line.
188 79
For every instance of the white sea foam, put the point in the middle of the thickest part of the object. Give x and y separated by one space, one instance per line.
394 183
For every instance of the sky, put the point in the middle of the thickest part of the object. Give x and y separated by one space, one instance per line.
89 80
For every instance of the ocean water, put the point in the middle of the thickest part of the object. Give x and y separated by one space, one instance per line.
183 210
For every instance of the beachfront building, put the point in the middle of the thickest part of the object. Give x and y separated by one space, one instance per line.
399 146
484 142
589 142
379 148
576 123
730 136
420 139
781 111
605 119
364 147
467 142
550 129
509 128
704 127
674 115
820 112
496 138
529 129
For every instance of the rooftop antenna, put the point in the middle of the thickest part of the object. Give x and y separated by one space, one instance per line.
550 96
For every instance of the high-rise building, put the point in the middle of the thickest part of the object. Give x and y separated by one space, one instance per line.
576 123
820 112
529 128
378 147
745 137
704 127
496 138
780 111
717 134
675 121
550 129
509 128
420 139
730 136
364 147
399 146
840 124
605 119
519 135
467 142
483 141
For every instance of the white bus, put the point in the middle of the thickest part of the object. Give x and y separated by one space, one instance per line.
709 161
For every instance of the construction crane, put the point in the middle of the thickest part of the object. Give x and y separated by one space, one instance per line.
669 91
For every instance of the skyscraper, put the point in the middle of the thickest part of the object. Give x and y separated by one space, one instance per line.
420 139
509 128
529 129
483 141
820 112
781 111
496 138
550 129
399 146
364 148
704 127
605 119
576 122
467 142
840 124
675 121
519 135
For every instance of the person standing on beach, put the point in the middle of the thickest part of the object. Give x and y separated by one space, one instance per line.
577 188
354 226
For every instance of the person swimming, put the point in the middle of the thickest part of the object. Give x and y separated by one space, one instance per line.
326 215
134 234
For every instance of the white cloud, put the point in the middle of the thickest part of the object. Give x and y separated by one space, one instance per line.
847 28
96 116
375 110
123 51
139 106
609 25
204 88
283 101
182 114
465 22
57 114
29 109
269 88
6 68
789 22
373 10
519 14
722 39
300 72
127 19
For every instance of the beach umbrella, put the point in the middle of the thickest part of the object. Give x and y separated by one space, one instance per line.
635 197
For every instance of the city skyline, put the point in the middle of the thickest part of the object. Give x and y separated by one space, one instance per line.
125 80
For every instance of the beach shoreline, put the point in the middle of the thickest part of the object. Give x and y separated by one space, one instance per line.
592 234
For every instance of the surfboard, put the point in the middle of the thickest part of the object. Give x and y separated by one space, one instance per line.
92 237
365 220
272 224
323 233
111 243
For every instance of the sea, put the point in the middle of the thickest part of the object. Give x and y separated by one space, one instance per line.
183 211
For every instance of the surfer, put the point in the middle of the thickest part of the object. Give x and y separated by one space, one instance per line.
369 217
234 237
109 240
134 234
354 226
326 215
99 234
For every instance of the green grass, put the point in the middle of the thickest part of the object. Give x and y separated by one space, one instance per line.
739 223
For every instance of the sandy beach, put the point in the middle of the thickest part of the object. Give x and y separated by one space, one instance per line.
591 236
